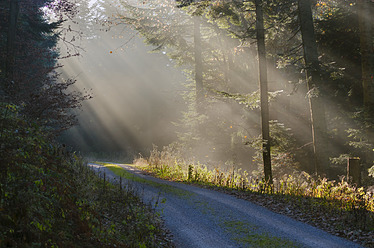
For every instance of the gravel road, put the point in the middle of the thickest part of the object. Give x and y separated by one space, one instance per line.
198 217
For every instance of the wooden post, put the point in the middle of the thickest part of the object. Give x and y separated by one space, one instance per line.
104 181
354 171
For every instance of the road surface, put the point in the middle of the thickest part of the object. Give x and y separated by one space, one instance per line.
198 217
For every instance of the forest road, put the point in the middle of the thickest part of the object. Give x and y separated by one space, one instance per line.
198 217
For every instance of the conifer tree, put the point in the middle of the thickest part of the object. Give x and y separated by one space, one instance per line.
28 64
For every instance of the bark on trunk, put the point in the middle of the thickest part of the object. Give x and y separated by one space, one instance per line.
365 21
11 38
366 47
315 87
263 92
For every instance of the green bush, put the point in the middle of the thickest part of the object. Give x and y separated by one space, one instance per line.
50 198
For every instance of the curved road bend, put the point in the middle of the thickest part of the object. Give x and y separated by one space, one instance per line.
198 217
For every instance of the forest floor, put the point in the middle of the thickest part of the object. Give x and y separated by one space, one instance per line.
200 217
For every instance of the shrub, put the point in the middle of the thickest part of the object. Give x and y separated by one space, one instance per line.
50 198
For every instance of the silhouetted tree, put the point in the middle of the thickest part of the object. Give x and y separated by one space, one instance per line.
266 155
315 87
365 21
11 39
27 65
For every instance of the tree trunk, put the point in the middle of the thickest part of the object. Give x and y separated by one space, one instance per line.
198 64
11 38
315 89
366 47
365 21
263 92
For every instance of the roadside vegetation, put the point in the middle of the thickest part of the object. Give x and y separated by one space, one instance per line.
50 198
335 206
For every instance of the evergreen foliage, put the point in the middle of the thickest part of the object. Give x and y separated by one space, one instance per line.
49 197
32 81
228 33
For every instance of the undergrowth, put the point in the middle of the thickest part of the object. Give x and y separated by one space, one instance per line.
347 204
50 198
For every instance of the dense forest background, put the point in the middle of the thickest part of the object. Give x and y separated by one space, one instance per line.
319 77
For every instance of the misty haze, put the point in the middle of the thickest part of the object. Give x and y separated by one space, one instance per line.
143 93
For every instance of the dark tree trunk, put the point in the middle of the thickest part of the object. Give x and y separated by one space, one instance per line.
366 47
12 31
365 21
315 87
263 92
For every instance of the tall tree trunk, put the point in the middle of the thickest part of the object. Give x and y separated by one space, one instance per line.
12 30
263 92
198 64
315 89
365 21
366 47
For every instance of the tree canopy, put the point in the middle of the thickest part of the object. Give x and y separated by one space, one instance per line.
228 38
28 61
